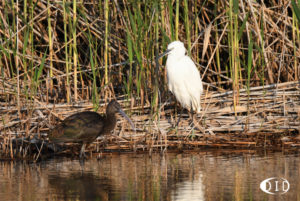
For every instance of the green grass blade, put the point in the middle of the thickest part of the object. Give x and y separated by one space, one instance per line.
38 71
296 10
243 26
249 65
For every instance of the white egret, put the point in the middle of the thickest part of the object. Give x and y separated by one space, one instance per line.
184 79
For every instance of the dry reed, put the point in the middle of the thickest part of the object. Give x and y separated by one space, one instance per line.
57 58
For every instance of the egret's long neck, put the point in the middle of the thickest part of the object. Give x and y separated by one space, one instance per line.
177 54
174 57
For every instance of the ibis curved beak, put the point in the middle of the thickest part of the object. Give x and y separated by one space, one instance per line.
127 118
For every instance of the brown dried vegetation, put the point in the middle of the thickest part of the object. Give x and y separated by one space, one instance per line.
57 58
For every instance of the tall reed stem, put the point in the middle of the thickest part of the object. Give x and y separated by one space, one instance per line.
66 52
106 40
187 26
177 19
50 44
234 43
75 48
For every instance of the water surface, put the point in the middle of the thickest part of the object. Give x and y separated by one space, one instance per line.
214 175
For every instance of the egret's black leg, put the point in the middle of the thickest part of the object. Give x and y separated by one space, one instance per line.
175 113
82 163
177 124
177 119
192 114
194 121
82 154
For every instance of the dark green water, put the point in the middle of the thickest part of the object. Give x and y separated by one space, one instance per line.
186 176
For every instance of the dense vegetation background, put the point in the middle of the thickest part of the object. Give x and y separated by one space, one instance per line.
77 51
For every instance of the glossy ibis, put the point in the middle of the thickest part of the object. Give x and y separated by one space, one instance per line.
85 127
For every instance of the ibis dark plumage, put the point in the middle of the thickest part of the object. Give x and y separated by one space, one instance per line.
85 127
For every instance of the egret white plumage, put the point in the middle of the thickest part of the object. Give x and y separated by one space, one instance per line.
184 79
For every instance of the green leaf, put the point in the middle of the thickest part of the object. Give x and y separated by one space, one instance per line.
235 6
243 26
296 10
250 55
40 70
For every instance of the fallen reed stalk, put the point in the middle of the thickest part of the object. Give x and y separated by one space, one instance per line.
266 117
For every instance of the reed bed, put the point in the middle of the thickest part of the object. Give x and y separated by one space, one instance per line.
57 58
267 117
